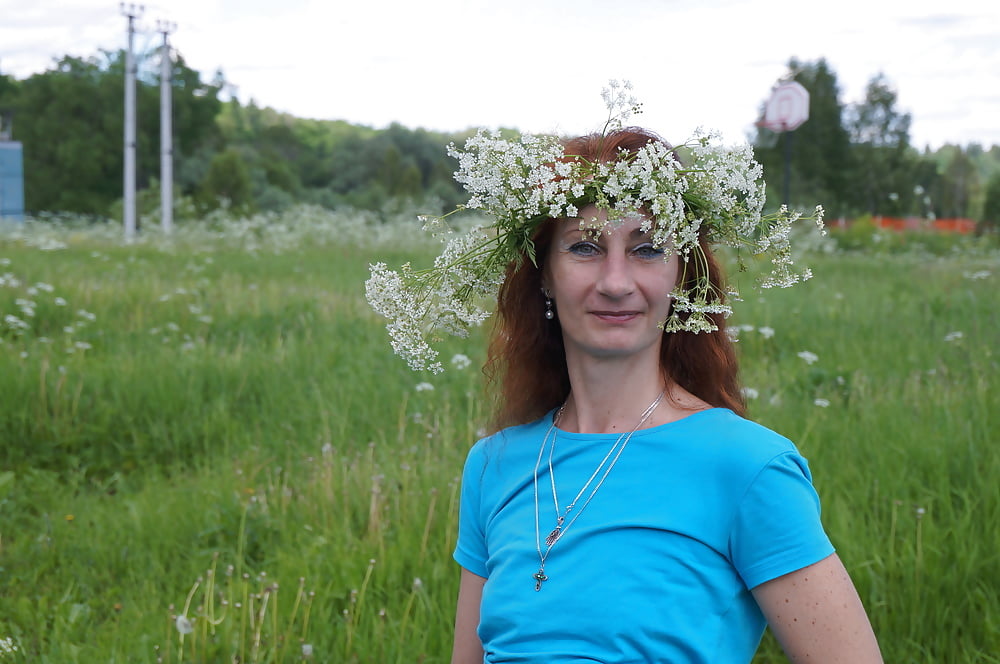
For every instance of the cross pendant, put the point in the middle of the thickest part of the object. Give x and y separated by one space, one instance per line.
539 578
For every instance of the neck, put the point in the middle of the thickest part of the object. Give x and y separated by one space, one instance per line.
609 397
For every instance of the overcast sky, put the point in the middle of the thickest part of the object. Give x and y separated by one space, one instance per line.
539 65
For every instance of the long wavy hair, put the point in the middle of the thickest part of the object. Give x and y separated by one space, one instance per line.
527 360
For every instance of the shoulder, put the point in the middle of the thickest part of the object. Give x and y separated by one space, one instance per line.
511 440
724 430
735 449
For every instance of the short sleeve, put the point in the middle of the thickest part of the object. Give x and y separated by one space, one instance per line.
470 550
777 527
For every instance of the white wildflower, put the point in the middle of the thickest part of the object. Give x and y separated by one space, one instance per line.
183 625
953 336
15 324
822 403
460 361
59 302
808 356
749 393
307 650
766 332
424 387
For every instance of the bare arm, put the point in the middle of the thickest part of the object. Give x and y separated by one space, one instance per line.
817 616
468 649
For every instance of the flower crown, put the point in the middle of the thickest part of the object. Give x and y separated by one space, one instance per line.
717 194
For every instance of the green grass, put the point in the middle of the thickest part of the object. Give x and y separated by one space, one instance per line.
231 439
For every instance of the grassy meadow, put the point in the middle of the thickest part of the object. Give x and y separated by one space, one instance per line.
209 453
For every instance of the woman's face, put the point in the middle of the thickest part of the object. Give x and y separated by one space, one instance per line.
611 292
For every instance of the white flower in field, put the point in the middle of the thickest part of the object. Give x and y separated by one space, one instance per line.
822 403
749 393
808 356
975 276
42 286
27 307
460 361
733 333
307 650
920 511
4 261
15 324
766 332
194 309
953 336
424 387
165 297
60 302
83 345
32 291
417 584
173 327
183 625
7 644
206 319
86 315
69 329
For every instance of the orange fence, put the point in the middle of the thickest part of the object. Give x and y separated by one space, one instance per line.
952 225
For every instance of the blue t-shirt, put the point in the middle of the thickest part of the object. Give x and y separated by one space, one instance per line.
658 566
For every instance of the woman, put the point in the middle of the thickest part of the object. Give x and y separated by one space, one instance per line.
625 511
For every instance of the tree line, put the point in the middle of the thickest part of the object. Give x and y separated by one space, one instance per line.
853 158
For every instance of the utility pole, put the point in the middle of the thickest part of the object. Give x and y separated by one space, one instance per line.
166 133
132 12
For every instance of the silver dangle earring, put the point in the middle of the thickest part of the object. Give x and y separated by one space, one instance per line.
549 314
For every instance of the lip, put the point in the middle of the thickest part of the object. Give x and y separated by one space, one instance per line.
616 316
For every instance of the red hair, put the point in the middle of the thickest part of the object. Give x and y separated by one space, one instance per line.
527 360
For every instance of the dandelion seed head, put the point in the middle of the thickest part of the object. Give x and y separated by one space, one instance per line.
183 625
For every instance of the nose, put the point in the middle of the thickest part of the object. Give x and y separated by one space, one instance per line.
615 279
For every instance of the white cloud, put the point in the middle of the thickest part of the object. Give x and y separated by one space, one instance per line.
539 65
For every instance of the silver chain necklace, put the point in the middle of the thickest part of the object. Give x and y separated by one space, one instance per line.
561 525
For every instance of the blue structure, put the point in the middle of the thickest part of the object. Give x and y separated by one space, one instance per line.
11 181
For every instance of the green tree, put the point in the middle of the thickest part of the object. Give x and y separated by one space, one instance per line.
228 182
71 121
991 205
885 163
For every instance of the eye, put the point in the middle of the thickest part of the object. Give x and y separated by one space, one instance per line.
584 249
648 250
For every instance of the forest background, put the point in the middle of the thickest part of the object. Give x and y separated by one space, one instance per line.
855 158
